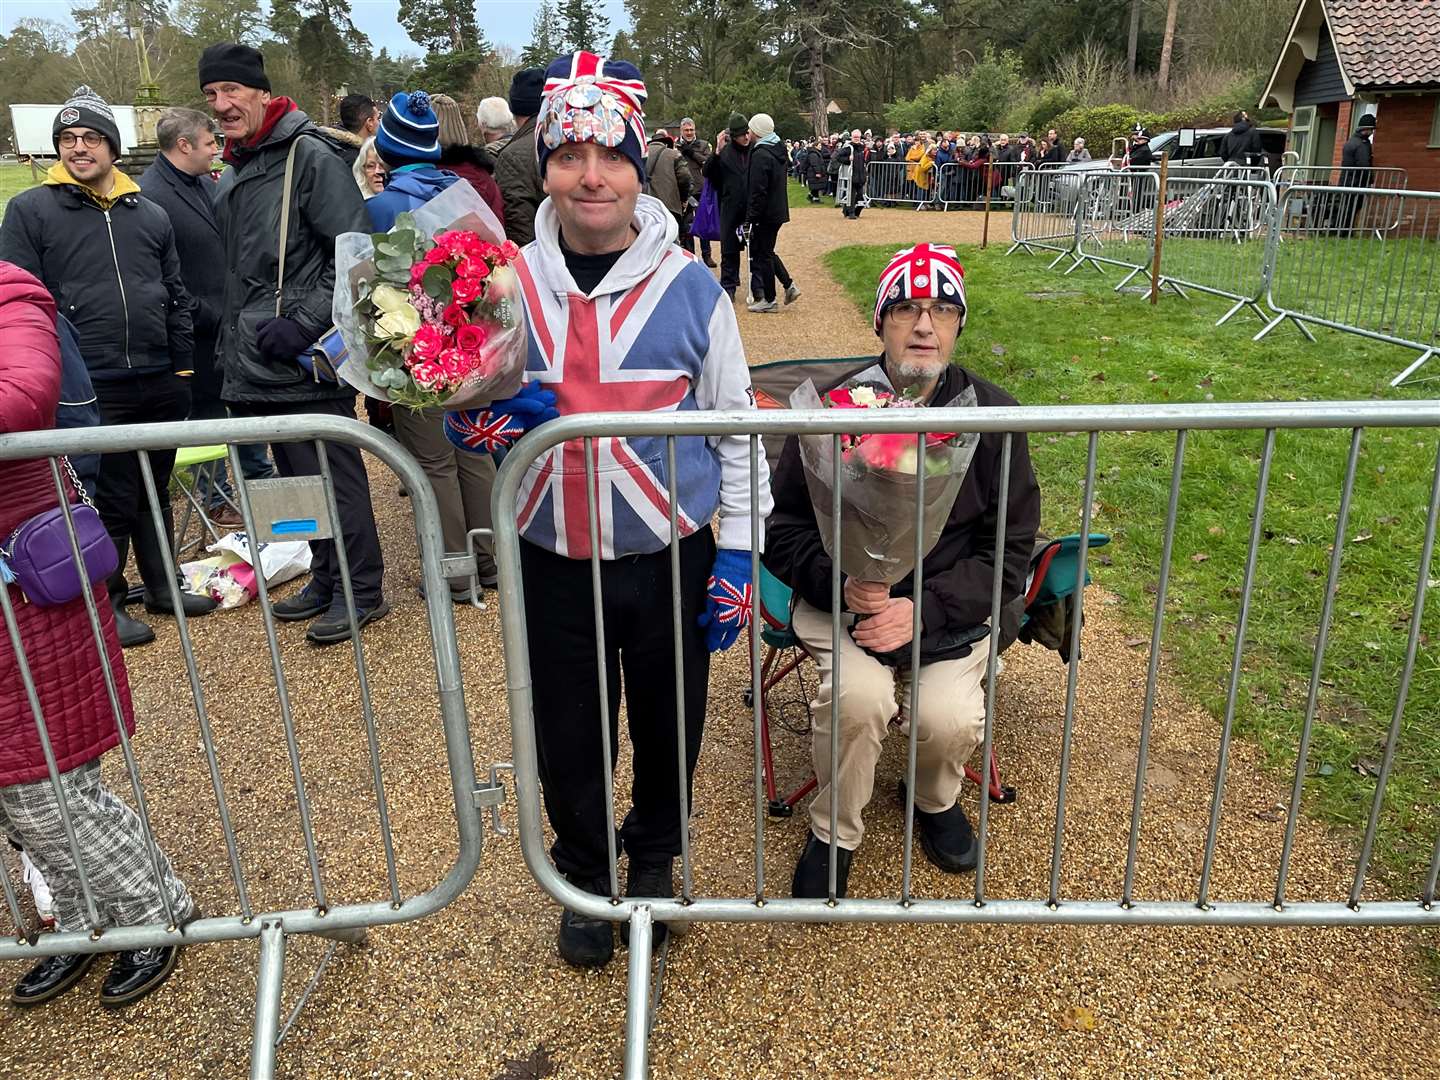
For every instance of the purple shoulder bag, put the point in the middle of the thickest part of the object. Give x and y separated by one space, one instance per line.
38 558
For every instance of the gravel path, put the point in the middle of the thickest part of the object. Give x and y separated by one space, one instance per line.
478 991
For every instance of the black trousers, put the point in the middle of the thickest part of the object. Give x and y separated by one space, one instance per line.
120 494
729 260
765 264
687 241
639 656
352 497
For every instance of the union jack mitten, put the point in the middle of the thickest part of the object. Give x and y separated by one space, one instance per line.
728 599
498 425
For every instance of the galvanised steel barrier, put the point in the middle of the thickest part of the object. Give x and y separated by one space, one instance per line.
761 904
299 508
958 184
1362 260
1389 177
889 182
1115 222
1216 234
1044 215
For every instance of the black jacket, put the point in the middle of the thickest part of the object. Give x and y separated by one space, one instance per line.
960 568
1141 155
1357 155
1056 153
191 209
728 171
769 199
812 166
1242 145
114 274
852 154
325 203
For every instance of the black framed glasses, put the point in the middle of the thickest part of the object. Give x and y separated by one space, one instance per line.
943 316
91 139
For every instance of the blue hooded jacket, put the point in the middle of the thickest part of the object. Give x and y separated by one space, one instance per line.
407 188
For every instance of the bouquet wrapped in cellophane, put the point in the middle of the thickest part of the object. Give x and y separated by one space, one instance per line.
430 311
879 471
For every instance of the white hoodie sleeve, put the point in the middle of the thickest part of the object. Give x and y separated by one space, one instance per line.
725 385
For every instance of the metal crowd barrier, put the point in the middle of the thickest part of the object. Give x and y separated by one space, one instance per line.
300 508
1361 260
762 903
1115 222
1216 234
842 185
959 184
1044 215
1390 177
889 182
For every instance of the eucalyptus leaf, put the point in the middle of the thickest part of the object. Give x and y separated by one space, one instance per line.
436 281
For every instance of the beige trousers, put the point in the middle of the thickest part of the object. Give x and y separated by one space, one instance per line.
951 724
461 482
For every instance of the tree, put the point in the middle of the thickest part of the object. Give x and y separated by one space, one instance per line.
547 37
442 26
209 21
583 25
1168 48
1132 44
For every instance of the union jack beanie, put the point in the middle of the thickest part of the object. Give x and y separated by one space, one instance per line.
923 272
589 98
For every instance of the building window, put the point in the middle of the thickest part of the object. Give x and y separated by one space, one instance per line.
1434 142
1301 123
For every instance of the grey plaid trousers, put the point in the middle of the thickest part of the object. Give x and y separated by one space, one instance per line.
112 848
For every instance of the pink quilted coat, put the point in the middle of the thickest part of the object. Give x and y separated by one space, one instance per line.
59 643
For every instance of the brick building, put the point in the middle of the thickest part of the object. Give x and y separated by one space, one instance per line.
1345 58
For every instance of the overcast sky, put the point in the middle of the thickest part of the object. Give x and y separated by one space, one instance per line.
505 22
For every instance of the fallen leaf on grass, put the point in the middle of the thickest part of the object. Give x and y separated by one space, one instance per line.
998 350
1200 556
1206 381
1360 539
1136 642
1366 767
1078 1018
1216 530
1099 376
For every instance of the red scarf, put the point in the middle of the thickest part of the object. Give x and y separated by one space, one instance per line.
277 108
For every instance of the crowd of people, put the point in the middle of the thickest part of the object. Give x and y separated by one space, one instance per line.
195 296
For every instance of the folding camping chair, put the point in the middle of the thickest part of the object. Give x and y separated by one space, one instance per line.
1047 616
192 463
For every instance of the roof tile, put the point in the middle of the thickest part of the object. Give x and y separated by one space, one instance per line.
1387 43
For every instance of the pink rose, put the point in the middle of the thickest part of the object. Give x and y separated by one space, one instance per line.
429 340
471 267
466 290
454 315
436 255
471 338
509 250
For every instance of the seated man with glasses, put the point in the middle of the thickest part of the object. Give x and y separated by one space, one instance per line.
919 312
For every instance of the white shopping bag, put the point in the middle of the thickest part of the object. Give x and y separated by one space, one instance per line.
280 560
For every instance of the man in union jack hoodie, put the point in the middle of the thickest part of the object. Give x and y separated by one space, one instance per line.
620 319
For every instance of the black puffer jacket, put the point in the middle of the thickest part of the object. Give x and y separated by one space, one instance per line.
769 201
959 569
728 171
325 203
113 272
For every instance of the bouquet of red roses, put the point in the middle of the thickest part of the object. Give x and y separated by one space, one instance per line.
430 311
879 471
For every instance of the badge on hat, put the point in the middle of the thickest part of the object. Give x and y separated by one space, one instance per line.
69 116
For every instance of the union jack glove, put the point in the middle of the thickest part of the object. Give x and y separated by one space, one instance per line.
484 431
728 599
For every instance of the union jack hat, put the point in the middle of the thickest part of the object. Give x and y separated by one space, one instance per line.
923 272
589 98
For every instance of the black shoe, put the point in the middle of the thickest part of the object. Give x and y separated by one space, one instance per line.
649 880
334 626
305 604
712 264
585 942
135 973
131 632
194 606
49 979
948 840
812 872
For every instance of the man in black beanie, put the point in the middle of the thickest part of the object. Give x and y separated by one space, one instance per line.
261 339
516 168
728 171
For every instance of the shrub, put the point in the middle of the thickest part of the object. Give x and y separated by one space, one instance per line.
711 106
1098 125
976 101
1037 114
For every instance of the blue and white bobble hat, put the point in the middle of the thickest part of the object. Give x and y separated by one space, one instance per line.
409 130
589 98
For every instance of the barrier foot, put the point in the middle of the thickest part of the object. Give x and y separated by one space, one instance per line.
268 984
351 936
1128 278
1271 325
1058 260
637 998
1404 376
1304 330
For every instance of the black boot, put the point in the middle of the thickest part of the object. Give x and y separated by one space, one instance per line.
585 942
131 632
812 872
151 560
135 973
654 881
49 979
947 839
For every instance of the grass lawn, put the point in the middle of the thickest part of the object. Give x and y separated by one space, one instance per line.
13 180
1051 339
